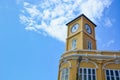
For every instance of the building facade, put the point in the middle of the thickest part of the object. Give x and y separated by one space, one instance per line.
82 60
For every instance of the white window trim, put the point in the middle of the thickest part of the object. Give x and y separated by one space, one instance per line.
61 73
87 73
66 62
113 73
114 62
74 47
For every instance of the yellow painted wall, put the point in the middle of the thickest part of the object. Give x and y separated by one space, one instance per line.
87 65
76 35
91 25
70 26
88 38
81 35
72 70
113 66
79 41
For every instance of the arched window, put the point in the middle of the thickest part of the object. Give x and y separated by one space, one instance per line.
74 43
89 45
64 74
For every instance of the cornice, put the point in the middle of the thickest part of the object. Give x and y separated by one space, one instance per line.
95 56
74 34
97 51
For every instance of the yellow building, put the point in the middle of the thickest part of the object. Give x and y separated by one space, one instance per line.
81 60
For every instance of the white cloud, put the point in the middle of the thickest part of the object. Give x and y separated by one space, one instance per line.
50 16
25 3
109 22
30 28
94 8
109 43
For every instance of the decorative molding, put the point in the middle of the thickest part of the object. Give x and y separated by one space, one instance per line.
97 51
113 62
65 61
117 61
95 56
103 67
87 60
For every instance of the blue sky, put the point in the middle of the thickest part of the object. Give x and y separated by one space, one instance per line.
32 34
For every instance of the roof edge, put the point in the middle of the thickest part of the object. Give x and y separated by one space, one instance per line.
79 17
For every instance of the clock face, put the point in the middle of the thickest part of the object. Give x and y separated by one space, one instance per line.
74 28
88 29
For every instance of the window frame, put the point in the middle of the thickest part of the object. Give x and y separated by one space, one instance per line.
64 73
74 44
112 76
89 45
87 75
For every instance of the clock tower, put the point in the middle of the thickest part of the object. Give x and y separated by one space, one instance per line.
81 34
81 60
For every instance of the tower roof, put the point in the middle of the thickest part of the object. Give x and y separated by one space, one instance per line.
79 17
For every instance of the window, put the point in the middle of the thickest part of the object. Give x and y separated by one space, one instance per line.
64 74
89 45
112 74
73 43
87 74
